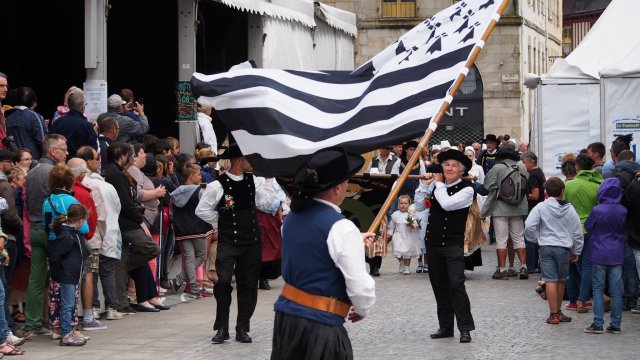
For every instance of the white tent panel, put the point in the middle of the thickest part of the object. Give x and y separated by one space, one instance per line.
569 121
287 45
622 109
611 47
333 49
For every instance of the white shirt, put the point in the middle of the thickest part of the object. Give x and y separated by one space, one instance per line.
206 209
208 135
108 206
382 165
477 171
272 196
396 167
459 200
347 252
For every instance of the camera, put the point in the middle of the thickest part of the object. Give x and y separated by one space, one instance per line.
10 143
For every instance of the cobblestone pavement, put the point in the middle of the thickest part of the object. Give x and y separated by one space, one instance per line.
509 318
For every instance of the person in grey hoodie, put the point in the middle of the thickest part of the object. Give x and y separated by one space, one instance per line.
191 231
555 225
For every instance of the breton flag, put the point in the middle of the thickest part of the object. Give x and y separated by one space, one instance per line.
280 117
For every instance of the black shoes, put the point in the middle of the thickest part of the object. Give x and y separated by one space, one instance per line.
374 272
264 284
162 307
220 336
442 333
465 337
142 308
242 336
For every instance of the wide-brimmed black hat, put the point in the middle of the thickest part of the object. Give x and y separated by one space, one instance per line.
232 152
507 152
491 137
410 144
325 169
452 154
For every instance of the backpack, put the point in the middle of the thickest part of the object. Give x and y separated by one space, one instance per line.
513 186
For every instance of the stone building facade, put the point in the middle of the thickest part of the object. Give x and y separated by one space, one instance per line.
527 39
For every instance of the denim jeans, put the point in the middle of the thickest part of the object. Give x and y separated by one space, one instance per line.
4 327
630 278
573 282
67 303
600 275
586 271
533 253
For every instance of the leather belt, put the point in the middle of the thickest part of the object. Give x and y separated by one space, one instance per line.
323 303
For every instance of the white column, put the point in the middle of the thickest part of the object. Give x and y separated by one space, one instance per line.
95 39
186 64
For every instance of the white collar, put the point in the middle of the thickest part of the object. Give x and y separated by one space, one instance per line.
453 183
334 206
235 177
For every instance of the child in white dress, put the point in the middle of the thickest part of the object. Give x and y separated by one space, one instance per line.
403 230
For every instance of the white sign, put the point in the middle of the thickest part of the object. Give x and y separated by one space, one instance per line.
510 78
623 125
95 93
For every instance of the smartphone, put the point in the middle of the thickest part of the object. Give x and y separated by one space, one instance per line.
140 101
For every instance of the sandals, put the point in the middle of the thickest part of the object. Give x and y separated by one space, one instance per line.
12 350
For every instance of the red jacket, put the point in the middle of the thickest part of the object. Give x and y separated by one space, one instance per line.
83 195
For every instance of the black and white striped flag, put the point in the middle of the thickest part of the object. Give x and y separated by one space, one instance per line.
280 117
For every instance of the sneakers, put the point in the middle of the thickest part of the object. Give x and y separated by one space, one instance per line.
562 317
55 334
635 310
93 325
594 329
407 270
553 319
500 275
512 272
425 269
71 340
419 269
42 331
400 268
524 274
571 306
14 340
613 329
113 314
96 313
81 336
204 292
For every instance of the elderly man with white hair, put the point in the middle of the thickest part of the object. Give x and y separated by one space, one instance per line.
74 126
450 199
107 237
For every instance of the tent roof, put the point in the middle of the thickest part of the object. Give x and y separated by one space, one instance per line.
611 47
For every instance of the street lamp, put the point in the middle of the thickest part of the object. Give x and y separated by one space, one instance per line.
567 45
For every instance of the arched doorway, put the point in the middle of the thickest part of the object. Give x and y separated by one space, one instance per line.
464 121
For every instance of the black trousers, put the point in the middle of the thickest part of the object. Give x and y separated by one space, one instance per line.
145 285
245 261
374 262
446 272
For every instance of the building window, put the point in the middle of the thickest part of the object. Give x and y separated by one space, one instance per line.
398 8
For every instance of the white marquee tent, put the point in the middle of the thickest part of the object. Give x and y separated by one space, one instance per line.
594 93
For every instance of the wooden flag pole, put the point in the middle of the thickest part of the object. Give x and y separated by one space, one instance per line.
435 121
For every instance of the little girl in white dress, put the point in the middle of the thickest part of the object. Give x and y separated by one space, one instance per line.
404 230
